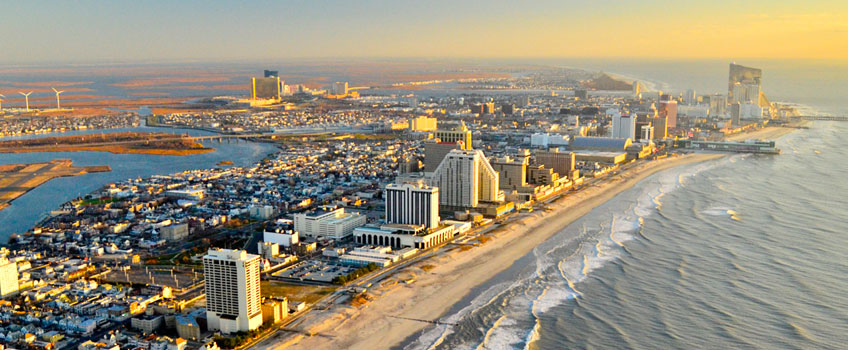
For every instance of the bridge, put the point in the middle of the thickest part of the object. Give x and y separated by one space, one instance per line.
825 117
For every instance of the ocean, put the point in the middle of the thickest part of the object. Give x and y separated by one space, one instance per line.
743 252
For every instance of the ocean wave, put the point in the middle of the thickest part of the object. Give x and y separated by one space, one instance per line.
560 265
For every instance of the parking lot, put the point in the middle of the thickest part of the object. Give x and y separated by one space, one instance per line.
314 270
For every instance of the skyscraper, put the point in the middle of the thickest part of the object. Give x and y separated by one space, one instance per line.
265 88
744 84
690 98
465 178
232 290
8 277
623 126
563 163
668 109
435 152
412 204
459 133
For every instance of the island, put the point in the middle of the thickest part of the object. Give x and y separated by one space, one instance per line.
119 143
17 179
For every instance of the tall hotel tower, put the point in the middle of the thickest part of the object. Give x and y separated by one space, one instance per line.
412 204
233 300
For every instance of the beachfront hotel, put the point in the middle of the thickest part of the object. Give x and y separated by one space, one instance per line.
412 204
233 300
465 178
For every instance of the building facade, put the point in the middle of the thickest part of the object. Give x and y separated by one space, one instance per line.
412 204
465 178
233 299
328 222
8 278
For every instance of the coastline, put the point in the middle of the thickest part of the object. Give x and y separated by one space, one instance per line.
114 150
18 179
768 133
445 279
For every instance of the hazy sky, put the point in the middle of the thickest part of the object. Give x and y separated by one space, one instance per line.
79 31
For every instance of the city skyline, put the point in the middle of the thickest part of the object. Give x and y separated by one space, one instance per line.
220 31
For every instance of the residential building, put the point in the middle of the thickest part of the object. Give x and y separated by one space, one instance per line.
8 278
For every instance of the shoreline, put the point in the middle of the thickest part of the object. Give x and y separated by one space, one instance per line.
437 280
27 178
114 150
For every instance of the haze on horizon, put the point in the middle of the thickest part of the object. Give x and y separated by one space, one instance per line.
90 31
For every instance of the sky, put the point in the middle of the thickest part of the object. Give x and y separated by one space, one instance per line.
213 30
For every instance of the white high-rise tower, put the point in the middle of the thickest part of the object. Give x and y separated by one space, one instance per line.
233 299
412 204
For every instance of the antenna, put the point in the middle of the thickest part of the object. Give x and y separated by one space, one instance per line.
26 96
57 97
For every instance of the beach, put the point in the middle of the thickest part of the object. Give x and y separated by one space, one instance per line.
767 133
446 278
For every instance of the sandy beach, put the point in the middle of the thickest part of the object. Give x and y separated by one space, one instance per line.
445 279
767 133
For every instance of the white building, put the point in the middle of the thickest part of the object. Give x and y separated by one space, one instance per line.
412 204
8 277
465 178
404 236
233 300
284 238
623 126
545 140
328 222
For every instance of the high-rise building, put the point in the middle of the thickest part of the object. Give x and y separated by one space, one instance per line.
271 73
8 277
340 88
233 299
735 115
660 125
668 109
489 108
508 108
265 88
422 123
741 82
563 163
512 172
718 105
457 134
412 204
465 178
623 126
690 98
435 152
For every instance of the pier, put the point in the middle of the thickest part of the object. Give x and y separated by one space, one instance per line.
825 117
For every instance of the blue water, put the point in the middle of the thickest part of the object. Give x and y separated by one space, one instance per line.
744 252
28 209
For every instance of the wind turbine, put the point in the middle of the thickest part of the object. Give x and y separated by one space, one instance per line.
57 97
26 96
